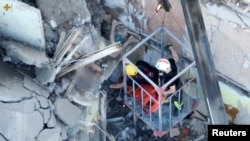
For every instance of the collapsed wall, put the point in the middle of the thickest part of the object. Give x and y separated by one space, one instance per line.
67 108
50 81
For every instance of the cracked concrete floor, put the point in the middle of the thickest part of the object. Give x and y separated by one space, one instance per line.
29 112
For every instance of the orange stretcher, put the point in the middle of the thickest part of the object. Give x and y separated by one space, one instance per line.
144 99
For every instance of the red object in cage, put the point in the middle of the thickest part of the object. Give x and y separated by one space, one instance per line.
143 97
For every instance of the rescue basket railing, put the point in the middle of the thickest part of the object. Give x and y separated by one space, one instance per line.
151 106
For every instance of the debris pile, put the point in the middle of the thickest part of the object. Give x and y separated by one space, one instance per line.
54 65
54 62
242 4
121 125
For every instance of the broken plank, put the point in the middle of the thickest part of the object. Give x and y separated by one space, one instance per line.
68 44
60 42
72 52
91 58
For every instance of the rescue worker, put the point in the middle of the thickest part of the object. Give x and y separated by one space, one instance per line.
146 68
169 69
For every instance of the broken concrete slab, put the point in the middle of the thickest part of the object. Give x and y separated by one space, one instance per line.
26 106
25 53
246 63
58 12
45 114
19 126
64 135
43 102
50 135
11 85
46 74
29 28
31 85
92 39
67 112
174 132
51 106
50 35
92 114
85 100
52 121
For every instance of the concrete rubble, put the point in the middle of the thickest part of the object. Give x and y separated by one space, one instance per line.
28 55
67 112
52 72
41 94
29 28
58 13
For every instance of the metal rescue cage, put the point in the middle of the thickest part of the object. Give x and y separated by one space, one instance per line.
147 101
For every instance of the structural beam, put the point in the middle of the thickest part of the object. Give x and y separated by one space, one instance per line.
204 61
91 57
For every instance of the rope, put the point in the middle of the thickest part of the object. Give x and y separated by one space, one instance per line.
163 19
179 26
151 18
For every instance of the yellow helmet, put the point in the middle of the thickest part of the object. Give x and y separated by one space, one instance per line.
130 70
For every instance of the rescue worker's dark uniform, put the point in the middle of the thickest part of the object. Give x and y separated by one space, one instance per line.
167 77
153 74
148 70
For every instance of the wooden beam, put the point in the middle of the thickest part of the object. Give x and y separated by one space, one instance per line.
91 58
67 44
72 52
60 43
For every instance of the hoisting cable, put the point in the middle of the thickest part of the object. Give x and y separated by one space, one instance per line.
182 30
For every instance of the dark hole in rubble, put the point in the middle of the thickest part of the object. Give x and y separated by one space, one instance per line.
105 29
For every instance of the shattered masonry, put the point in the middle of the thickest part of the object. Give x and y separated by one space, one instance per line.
53 68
